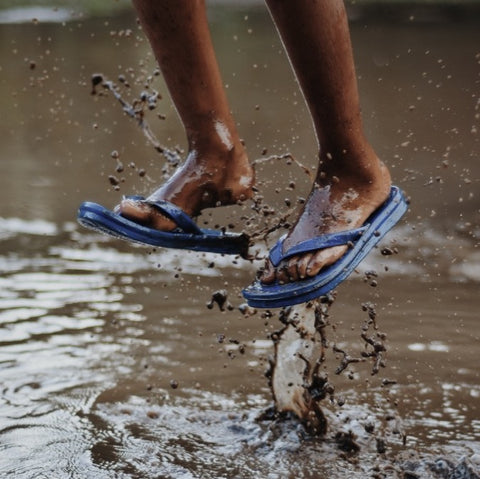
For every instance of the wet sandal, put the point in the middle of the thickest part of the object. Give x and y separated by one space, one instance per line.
187 235
362 240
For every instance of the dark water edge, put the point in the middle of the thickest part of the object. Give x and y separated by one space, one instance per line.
394 11
414 12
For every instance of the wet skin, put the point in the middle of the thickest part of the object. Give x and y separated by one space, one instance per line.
201 182
351 182
332 206
216 170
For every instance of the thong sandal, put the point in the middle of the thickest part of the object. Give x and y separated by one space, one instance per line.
187 235
363 239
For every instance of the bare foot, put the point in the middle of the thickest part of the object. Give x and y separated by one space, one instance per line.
201 182
334 204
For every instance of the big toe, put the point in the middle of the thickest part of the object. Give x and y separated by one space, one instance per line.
135 210
324 258
144 214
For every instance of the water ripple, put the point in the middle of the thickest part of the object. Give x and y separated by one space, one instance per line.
74 357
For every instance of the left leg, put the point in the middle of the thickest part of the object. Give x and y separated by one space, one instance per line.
216 171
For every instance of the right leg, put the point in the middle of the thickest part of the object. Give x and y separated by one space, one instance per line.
216 171
351 181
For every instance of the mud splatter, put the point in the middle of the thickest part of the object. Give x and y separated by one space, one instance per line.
346 442
346 360
440 468
375 344
298 374
297 382
147 101
220 298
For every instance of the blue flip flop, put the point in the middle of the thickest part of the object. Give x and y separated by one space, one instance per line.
187 235
362 239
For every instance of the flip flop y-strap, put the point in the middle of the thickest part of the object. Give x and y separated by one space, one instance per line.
170 211
176 214
314 244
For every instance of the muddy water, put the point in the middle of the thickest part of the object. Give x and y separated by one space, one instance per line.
111 363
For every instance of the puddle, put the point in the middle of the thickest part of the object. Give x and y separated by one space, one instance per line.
112 365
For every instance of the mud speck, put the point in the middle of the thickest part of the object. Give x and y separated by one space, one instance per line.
381 446
97 79
114 181
220 298
346 442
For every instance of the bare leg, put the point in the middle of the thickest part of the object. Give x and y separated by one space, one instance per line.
216 170
351 181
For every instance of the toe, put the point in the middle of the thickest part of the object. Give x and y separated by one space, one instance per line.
268 275
298 266
301 267
303 264
291 269
283 275
135 210
315 264
144 214
324 258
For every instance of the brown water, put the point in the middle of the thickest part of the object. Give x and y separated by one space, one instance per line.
111 364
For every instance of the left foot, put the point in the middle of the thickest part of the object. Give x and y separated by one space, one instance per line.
334 204
203 181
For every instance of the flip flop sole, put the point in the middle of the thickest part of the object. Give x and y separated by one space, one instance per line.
97 218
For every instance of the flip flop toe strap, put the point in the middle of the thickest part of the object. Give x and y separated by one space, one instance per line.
177 215
172 212
324 241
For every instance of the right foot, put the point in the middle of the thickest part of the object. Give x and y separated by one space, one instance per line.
201 182
332 206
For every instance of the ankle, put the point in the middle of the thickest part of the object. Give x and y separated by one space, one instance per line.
218 176
361 169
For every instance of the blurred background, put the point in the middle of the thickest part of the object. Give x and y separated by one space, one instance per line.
111 363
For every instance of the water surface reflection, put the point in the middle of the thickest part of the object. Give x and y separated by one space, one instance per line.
111 363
